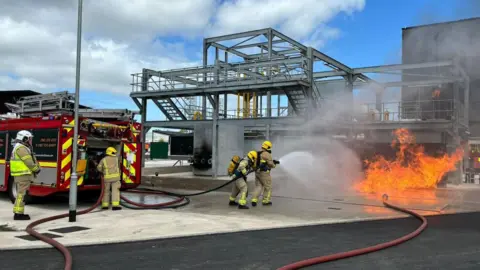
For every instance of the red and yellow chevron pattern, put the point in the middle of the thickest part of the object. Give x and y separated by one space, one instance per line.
66 156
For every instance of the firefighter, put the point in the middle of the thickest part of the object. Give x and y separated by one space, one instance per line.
263 179
244 166
24 168
109 167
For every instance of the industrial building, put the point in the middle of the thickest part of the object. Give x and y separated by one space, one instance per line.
262 67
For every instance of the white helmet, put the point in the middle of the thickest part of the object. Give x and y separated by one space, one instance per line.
21 135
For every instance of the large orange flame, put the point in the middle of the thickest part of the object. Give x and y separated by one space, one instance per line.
411 169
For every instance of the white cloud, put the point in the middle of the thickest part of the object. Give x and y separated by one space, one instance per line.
38 38
298 19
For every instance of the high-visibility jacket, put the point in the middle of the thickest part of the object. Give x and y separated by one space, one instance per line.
22 162
109 167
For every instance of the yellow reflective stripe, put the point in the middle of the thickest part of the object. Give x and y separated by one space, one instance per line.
26 157
2 161
244 171
115 203
105 204
66 160
232 198
48 164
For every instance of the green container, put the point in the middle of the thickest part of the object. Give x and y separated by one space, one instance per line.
159 150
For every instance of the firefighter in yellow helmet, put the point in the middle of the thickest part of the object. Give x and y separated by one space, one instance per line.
240 185
110 168
24 168
263 179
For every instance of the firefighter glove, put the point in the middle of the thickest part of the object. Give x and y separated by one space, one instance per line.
276 162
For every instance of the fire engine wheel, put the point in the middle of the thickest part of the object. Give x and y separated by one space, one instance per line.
12 192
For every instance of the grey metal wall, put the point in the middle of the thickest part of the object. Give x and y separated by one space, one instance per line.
439 42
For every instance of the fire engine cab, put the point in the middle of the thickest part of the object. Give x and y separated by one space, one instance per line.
50 119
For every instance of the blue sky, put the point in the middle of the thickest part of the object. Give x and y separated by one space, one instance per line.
368 37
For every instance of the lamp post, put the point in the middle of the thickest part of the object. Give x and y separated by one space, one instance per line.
72 213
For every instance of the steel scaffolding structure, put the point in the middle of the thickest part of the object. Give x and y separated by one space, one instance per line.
290 72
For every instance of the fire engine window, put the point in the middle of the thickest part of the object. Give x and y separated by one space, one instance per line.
45 144
3 144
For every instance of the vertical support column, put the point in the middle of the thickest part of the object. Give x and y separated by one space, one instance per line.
453 143
205 63
278 105
349 88
269 113
215 136
225 96
466 100
261 105
379 101
204 107
143 132
269 73
309 94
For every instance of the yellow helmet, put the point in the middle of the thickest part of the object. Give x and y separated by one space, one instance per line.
267 145
252 155
111 151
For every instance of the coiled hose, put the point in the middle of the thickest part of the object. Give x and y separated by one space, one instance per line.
361 251
64 250
136 206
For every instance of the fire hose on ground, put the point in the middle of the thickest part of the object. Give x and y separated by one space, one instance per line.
365 250
183 197
171 204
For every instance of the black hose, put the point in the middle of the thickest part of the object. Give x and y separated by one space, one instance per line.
202 192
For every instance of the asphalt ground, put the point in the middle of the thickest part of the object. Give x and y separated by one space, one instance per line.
449 242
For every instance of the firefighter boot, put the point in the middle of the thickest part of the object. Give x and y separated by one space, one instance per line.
21 217
242 203
232 201
116 208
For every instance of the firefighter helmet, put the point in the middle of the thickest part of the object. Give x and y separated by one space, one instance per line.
24 135
111 151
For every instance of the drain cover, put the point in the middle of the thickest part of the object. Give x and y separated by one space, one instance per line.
70 229
31 238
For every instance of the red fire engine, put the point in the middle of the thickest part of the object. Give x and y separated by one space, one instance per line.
50 119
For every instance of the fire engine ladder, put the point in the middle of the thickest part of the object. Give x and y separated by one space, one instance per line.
39 105
63 102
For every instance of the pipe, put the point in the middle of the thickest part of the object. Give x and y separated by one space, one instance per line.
361 251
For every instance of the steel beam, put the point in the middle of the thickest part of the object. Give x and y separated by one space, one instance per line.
230 50
289 40
257 44
255 87
380 69
331 61
244 122
236 36
257 55
139 105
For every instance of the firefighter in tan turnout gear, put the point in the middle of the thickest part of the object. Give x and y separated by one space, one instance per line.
110 168
240 185
24 168
263 179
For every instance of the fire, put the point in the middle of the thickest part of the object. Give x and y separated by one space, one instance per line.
411 169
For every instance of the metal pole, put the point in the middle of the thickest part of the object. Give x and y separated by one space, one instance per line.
72 213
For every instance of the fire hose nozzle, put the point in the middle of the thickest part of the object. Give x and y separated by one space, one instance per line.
385 197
